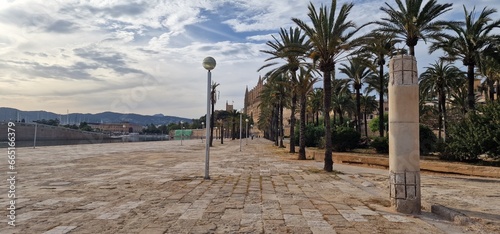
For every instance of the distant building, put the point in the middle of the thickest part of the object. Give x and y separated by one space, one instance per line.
124 127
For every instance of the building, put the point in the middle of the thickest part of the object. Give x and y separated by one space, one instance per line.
252 108
121 128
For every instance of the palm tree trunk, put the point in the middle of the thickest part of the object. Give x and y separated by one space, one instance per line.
327 100
366 124
212 122
281 126
445 117
302 129
498 90
412 50
440 116
470 79
491 89
222 132
358 110
381 101
292 123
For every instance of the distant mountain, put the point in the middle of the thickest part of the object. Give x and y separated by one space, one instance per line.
12 114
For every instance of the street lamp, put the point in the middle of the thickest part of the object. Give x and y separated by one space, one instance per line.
209 64
202 125
246 131
123 133
182 130
216 132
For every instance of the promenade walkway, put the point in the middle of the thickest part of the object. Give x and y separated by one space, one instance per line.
158 187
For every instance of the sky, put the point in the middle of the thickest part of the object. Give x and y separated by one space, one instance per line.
145 57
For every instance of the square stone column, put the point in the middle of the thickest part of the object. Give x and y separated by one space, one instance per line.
404 150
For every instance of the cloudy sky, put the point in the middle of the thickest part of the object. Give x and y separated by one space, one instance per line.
145 56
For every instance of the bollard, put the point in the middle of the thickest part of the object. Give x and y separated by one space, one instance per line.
404 152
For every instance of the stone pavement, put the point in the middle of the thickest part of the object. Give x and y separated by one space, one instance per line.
158 187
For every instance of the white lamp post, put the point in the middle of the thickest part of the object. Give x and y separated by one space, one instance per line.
246 131
182 131
209 64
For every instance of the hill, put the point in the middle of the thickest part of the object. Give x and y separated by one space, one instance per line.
11 114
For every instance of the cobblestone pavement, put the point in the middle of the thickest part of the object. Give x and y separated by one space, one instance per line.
158 187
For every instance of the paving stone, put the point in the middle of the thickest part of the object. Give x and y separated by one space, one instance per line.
60 230
396 218
295 220
352 216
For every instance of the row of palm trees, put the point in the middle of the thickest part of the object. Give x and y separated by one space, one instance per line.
299 54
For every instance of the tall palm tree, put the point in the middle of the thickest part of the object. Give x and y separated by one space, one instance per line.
305 85
274 95
436 82
490 69
331 36
375 84
468 40
214 100
342 101
411 22
315 101
380 45
368 105
291 47
357 71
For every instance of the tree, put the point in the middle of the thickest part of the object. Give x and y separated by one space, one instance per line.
331 36
436 82
357 71
368 105
342 101
304 87
212 122
380 45
412 22
467 42
291 47
315 101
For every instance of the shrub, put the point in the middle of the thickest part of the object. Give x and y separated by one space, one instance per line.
345 139
478 133
373 124
381 145
313 135
427 140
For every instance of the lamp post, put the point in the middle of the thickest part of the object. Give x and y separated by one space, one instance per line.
246 131
123 134
209 64
182 131
216 132
240 129
251 128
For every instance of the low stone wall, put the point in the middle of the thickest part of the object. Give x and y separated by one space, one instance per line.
425 165
26 132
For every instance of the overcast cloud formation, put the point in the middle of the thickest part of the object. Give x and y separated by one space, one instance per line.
145 56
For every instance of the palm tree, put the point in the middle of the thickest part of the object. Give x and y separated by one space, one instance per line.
304 87
375 84
291 47
368 105
331 37
490 68
412 22
274 95
357 71
437 81
469 40
315 102
380 45
214 100
342 101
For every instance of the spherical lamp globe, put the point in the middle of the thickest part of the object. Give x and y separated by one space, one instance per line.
209 63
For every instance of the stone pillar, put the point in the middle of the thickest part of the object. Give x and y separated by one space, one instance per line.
404 151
